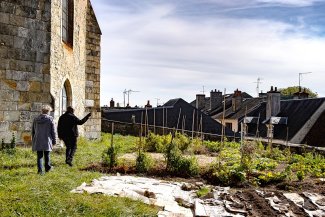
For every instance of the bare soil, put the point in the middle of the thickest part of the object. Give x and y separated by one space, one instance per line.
246 193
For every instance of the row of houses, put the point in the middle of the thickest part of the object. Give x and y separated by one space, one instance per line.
299 120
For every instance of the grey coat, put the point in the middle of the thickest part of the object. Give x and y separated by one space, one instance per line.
43 133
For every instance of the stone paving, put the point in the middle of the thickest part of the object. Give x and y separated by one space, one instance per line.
178 199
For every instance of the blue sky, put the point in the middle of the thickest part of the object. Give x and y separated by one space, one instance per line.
172 48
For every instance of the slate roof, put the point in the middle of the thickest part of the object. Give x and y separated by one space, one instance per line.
247 106
297 111
171 111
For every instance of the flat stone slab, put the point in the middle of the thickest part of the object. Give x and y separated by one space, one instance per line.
221 202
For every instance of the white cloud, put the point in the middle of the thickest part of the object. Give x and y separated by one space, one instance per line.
165 56
299 3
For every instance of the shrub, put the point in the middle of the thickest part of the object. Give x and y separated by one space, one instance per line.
182 141
266 164
196 147
213 146
157 143
270 178
203 191
300 175
109 157
178 164
143 163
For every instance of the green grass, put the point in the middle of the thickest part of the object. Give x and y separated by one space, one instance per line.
25 193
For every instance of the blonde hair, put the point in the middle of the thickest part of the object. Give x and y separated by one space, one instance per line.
46 109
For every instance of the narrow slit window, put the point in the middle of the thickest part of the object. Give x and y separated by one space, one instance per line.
67 22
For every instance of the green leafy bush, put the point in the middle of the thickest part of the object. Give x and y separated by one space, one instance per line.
301 175
109 157
271 178
265 164
157 143
182 141
143 162
213 146
178 164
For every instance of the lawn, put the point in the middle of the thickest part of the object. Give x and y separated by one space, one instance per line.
25 193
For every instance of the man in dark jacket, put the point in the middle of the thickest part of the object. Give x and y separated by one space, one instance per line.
68 132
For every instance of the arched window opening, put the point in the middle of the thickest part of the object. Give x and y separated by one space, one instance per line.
66 96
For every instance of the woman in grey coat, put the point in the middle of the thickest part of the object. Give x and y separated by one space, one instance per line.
43 138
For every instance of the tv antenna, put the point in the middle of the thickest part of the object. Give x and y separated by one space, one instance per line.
128 92
203 91
258 82
157 101
300 75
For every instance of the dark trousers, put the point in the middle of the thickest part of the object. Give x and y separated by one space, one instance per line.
71 144
46 155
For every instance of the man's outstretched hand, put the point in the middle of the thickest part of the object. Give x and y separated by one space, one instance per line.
89 114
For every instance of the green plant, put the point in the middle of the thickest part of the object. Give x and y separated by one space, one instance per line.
143 163
197 147
13 141
2 144
213 146
300 175
109 157
271 177
203 191
178 164
157 143
182 141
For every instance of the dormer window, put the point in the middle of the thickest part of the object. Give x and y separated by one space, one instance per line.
67 22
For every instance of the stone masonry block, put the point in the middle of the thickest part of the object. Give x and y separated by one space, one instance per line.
36 106
4 17
20 65
24 116
7 95
7 29
35 86
8 106
7 40
11 115
89 83
24 11
23 86
4 126
89 103
24 106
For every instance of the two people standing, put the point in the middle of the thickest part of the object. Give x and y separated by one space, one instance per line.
44 136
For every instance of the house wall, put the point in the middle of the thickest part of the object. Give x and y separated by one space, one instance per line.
92 94
69 63
24 65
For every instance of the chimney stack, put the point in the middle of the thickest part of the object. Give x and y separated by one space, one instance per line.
112 103
215 99
273 103
301 94
236 100
200 101
148 104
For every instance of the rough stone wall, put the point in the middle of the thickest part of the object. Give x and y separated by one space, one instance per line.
92 92
24 65
69 63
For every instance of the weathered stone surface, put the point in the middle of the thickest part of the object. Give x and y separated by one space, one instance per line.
4 126
33 71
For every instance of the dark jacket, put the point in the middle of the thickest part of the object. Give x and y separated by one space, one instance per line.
67 126
43 133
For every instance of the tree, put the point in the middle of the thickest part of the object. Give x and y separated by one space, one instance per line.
289 91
